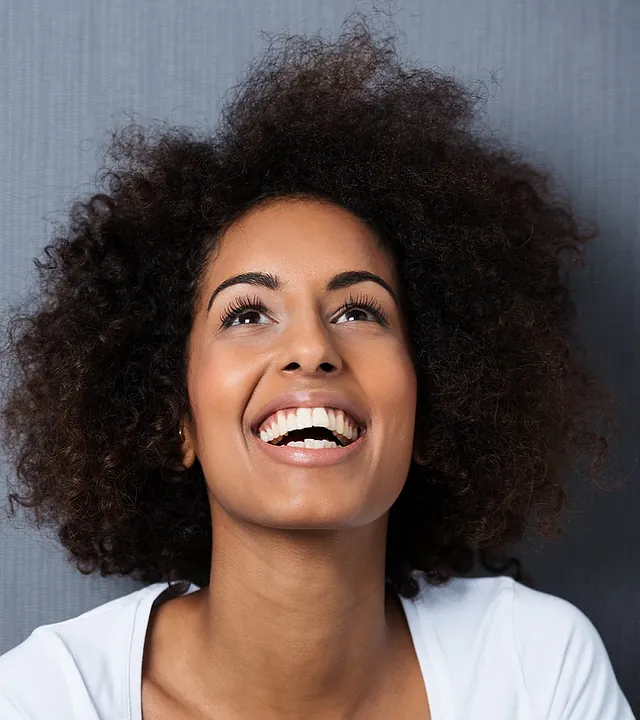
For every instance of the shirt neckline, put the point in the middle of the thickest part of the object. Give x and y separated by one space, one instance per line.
431 658
136 647
425 642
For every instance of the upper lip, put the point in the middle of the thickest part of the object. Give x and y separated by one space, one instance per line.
310 399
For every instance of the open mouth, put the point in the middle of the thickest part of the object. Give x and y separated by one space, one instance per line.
316 438
313 428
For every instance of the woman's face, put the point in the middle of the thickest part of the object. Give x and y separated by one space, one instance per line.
295 347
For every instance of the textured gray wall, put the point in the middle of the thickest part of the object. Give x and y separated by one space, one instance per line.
568 94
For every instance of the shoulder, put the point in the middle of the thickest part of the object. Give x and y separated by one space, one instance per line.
564 662
80 663
549 648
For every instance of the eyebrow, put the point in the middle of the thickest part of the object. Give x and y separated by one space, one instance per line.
272 282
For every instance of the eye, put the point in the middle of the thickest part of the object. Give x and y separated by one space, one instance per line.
244 310
358 308
246 307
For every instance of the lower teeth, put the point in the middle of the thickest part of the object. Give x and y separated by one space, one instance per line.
313 444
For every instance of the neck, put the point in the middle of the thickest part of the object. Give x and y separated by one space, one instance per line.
298 623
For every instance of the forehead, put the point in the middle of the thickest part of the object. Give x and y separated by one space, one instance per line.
300 241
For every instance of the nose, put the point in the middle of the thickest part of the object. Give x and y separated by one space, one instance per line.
309 348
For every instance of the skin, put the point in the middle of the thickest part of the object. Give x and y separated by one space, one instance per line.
297 600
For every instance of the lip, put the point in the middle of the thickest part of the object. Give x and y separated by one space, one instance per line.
310 399
310 457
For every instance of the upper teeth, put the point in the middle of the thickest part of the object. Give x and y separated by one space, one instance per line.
282 421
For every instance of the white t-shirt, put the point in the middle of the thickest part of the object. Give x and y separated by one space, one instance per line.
489 649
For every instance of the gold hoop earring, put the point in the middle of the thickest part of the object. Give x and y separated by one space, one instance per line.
417 459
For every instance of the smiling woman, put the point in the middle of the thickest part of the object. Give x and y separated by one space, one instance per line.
309 365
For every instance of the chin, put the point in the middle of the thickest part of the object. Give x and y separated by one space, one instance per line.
313 500
316 516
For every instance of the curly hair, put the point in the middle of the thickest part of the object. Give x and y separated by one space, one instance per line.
482 245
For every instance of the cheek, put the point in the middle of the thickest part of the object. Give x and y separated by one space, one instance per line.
220 383
391 383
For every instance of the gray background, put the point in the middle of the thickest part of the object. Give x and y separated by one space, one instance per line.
564 82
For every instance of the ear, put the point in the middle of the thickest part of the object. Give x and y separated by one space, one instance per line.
188 451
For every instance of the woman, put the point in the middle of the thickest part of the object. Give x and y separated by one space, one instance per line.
307 366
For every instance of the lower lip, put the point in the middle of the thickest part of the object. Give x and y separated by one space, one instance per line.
310 457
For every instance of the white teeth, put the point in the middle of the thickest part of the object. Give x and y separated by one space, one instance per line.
284 421
305 418
319 417
300 443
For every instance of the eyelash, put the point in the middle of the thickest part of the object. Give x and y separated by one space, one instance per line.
361 302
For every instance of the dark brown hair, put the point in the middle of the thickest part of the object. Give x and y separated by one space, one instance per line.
483 247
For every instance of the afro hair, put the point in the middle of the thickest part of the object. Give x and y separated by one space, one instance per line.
95 360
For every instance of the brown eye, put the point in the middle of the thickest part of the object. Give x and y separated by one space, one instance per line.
243 309
363 305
